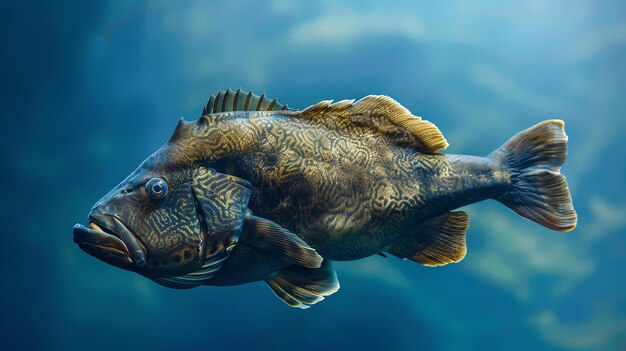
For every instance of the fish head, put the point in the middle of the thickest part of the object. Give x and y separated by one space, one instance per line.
165 220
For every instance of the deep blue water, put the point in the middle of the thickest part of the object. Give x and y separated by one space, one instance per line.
92 88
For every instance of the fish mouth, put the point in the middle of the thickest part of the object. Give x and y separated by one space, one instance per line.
109 239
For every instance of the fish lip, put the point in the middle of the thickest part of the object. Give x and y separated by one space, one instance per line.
104 223
94 236
102 245
109 232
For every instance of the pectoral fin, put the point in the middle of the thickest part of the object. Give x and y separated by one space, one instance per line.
436 242
271 237
302 287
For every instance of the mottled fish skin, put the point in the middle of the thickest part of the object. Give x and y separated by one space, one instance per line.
199 220
247 264
343 189
266 193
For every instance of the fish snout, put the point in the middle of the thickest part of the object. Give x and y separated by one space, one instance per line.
110 240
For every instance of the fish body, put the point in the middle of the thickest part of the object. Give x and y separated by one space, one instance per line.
254 191
349 194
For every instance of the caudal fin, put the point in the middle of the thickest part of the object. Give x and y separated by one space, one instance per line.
538 190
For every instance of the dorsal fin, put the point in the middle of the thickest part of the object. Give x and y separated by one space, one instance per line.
383 115
240 100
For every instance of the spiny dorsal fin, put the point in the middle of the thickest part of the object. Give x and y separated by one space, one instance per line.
383 115
436 242
240 100
302 287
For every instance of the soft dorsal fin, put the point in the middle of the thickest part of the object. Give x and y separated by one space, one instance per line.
436 242
240 100
302 287
383 115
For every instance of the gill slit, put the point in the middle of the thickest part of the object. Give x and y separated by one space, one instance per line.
203 227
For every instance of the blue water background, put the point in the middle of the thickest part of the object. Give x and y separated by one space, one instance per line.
92 88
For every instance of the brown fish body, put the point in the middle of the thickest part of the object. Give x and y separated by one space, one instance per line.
258 192
348 195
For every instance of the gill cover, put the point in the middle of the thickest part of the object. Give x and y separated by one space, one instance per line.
220 201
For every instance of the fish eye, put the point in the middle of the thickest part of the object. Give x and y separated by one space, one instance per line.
156 188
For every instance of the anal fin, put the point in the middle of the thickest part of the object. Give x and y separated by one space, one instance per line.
302 287
436 242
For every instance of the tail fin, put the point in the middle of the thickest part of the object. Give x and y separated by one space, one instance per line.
538 191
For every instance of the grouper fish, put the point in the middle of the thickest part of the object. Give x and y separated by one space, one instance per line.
254 190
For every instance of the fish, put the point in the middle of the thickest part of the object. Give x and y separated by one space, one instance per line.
256 191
